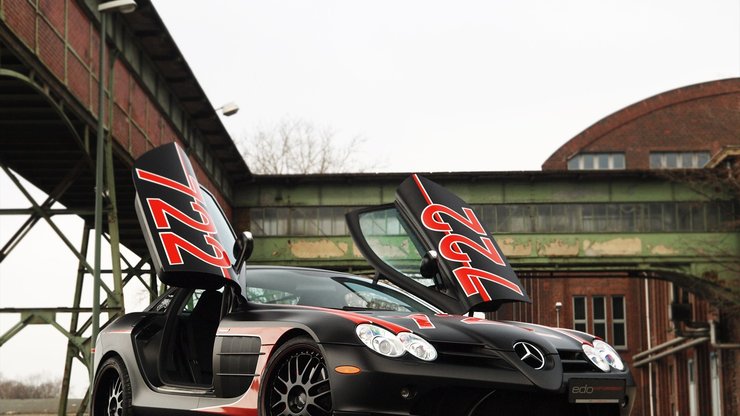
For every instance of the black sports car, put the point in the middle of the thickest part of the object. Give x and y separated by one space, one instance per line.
237 340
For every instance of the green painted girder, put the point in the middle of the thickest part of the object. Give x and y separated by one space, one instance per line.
475 188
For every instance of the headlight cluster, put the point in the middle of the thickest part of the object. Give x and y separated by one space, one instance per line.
386 343
603 356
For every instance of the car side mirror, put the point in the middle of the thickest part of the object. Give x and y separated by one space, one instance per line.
243 249
429 268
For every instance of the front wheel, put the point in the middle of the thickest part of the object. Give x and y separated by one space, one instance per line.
112 391
297 381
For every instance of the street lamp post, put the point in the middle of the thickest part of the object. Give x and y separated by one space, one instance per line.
122 6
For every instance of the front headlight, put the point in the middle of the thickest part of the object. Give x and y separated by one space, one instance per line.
595 357
380 340
609 354
417 346
386 343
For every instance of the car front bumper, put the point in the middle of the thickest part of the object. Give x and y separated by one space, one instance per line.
407 386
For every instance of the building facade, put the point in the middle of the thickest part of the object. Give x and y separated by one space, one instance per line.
582 241
693 127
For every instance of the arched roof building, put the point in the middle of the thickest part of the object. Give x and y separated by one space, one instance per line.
681 128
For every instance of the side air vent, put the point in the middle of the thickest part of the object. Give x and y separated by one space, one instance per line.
235 361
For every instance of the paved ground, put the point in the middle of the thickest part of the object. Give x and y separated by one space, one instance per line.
35 407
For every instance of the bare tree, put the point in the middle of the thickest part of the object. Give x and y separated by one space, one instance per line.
34 387
295 146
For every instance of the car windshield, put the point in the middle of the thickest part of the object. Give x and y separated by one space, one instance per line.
328 290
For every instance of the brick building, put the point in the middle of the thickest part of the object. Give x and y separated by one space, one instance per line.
688 374
682 128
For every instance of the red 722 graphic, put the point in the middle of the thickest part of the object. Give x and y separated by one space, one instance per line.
162 212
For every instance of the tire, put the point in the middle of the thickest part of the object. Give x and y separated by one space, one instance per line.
297 382
112 393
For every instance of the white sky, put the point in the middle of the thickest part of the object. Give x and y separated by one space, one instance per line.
504 83
508 81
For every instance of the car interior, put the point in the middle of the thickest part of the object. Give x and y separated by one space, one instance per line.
176 345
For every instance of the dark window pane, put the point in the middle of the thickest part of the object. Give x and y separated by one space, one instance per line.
618 307
544 217
339 224
628 214
561 221
594 218
579 307
325 221
655 217
281 221
502 218
516 219
712 216
600 330
256 222
619 339
599 310
669 217
726 216
488 217
683 215
697 217
297 222
580 327
613 220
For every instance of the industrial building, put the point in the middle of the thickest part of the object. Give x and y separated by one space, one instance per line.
608 237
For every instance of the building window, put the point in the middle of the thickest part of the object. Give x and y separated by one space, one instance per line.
601 317
597 161
678 160
579 314
619 323
521 218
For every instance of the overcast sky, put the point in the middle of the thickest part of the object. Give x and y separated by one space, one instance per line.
503 82
508 81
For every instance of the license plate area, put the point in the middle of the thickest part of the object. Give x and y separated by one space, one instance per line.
591 390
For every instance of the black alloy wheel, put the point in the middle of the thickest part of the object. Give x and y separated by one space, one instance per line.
112 393
297 381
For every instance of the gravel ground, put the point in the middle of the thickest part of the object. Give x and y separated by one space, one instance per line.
35 407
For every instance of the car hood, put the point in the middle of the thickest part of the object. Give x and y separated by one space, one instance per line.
477 340
497 335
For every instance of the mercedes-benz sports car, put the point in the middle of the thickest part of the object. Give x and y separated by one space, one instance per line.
265 340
